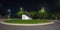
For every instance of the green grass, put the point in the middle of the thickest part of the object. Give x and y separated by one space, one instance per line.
27 21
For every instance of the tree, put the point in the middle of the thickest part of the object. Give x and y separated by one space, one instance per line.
20 13
33 14
56 15
42 13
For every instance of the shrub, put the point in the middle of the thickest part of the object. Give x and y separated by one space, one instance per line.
20 13
33 14
42 13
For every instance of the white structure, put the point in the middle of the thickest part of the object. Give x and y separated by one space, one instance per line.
25 17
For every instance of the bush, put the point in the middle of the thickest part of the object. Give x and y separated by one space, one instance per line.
42 13
20 13
33 14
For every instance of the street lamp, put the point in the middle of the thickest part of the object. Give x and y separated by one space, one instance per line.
9 13
21 9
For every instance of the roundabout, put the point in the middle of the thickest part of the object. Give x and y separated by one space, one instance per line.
53 26
38 24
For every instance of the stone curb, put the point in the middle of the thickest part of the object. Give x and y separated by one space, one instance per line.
27 24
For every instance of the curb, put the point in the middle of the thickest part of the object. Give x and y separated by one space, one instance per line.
27 24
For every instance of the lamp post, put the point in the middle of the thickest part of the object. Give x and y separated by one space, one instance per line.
9 13
21 9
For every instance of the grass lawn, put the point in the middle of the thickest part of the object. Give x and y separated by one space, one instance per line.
27 21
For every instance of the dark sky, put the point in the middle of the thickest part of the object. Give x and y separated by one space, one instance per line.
30 5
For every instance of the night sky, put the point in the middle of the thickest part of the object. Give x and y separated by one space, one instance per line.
29 5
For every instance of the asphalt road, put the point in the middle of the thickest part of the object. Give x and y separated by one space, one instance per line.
55 26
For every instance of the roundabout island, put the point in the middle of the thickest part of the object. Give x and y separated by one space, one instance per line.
27 22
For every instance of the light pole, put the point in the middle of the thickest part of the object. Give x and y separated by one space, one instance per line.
9 13
21 9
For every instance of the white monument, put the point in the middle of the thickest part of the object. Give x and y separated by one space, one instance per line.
25 17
